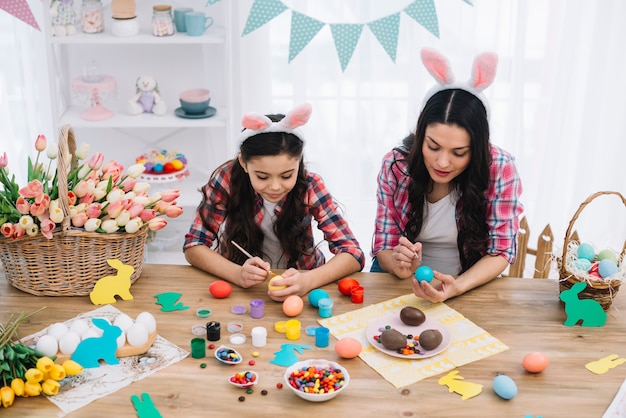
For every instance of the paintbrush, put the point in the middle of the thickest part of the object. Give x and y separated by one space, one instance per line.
247 254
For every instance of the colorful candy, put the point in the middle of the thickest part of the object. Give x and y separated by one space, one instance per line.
317 380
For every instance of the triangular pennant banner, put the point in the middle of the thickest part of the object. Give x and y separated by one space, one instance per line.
386 31
21 10
346 36
303 29
424 13
262 11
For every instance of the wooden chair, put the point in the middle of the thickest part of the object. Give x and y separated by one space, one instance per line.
542 253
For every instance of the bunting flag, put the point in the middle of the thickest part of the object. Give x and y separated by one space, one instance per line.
345 35
21 10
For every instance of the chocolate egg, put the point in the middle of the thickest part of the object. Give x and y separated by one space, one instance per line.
392 339
430 339
412 316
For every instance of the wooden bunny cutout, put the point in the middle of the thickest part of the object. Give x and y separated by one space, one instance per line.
465 389
108 287
91 350
588 311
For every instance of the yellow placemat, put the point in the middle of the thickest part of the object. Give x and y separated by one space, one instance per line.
469 341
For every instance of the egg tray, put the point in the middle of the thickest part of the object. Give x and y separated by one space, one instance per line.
126 350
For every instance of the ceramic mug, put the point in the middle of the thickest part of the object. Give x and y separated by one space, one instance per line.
196 23
179 18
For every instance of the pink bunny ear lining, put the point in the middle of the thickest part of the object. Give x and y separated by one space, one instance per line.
298 117
437 65
255 121
484 70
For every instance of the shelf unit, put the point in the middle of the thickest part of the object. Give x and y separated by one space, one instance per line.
178 63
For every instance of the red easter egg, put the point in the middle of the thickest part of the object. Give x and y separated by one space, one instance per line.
220 289
168 168
535 362
346 284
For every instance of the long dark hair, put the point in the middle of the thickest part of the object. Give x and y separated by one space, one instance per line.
240 225
459 108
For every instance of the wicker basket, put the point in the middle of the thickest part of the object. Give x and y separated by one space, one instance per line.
72 261
602 291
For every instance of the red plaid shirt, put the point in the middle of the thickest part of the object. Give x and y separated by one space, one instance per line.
503 205
320 207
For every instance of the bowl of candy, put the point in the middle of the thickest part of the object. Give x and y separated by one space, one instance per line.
317 380
244 379
228 355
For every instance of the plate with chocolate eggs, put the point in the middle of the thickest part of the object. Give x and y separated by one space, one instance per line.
409 335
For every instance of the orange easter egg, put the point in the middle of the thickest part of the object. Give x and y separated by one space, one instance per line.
220 289
535 362
293 305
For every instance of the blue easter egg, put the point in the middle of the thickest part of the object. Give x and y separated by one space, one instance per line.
504 387
316 295
586 250
607 268
157 168
424 273
581 264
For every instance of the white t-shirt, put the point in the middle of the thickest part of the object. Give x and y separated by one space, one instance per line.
439 234
271 245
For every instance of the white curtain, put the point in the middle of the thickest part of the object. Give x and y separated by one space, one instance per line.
557 102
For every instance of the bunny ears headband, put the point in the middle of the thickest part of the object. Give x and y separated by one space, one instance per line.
483 74
257 124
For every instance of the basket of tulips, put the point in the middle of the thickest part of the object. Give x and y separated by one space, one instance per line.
59 230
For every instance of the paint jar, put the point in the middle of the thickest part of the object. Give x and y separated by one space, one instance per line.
259 336
198 347
322 335
356 294
257 307
292 329
325 307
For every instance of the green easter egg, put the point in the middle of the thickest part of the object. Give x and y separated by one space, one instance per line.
607 255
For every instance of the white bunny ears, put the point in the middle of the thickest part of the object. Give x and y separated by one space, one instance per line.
483 74
258 124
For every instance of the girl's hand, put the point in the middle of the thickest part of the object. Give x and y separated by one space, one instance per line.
253 271
293 279
407 257
444 288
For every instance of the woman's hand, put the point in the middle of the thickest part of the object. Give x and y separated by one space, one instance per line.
253 271
294 280
441 289
406 258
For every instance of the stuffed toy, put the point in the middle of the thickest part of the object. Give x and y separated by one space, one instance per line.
63 17
147 98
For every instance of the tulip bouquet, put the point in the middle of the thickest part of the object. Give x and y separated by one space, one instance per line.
101 197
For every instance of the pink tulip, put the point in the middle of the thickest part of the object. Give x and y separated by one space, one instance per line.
22 206
40 143
115 208
4 160
94 210
87 199
173 211
38 209
81 188
135 210
95 162
128 184
156 224
79 219
113 170
7 229
32 189
147 214
170 195
71 198
18 231
46 228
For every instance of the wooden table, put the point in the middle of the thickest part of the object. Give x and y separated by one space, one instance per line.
524 314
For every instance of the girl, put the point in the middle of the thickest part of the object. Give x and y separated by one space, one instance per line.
448 198
265 200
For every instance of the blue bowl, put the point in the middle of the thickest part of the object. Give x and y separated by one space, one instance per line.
194 108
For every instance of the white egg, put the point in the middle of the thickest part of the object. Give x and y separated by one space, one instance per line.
69 342
121 340
57 330
91 333
123 321
137 334
79 326
47 345
148 320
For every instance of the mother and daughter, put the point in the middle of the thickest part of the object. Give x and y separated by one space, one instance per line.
446 198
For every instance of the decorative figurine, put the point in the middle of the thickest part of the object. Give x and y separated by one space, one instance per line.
147 98
63 17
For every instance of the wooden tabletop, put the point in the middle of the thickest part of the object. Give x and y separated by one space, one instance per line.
524 314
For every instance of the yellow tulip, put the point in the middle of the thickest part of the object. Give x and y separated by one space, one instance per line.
57 372
17 385
45 364
34 375
7 395
72 368
50 387
32 388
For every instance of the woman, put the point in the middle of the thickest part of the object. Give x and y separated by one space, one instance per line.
266 201
447 198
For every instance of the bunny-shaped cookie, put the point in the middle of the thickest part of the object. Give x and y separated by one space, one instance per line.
108 287
588 311
91 350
